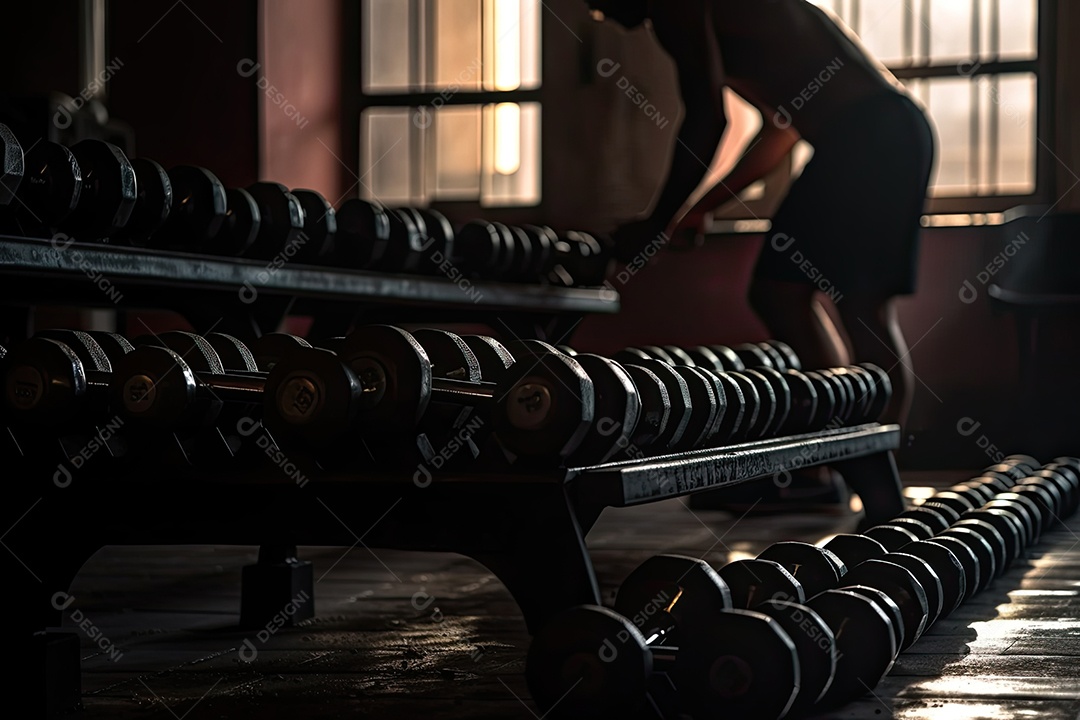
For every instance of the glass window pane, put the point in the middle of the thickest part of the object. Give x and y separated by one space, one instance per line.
388 46
531 41
1019 29
950 106
950 27
1017 124
457 153
388 156
456 43
881 29
511 155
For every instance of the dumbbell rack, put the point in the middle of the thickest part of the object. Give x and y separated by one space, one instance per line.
156 278
528 528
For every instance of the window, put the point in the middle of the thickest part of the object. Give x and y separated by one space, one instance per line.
450 101
975 65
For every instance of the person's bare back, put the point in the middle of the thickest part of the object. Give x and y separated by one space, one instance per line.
780 55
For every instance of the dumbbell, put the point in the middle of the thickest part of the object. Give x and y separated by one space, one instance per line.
197 213
594 662
49 190
108 192
281 220
484 250
320 226
363 234
272 347
381 383
239 228
579 258
153 203
60 378
740 662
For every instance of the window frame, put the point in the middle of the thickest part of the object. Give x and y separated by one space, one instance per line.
356 101
1042 67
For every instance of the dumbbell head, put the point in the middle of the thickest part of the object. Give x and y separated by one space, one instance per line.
449 355
90 353
751 582
492 355
281 220
12 168
892 537
929 517
901 585
853 550
543 241
588 661
1008 525
804 403
1049 487
865 642
198 210
816 568
706 407
157 387
948 568
705 358
616 414
240 226
312 395
815 646
928 579
882 391
50 189
777 359
672 591
235 356
946 510
583 258
320 225
734 417
743 662
544 405
44 381
790 357
195 350
838 391
767 403
1023 510
153 203
108 190
984 552
406 251
754 356
439 246
678 393
363 234
113 345
655 408
271 347
728 358
482 249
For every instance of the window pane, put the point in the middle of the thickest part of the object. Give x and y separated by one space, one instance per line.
1019 36
511 155
881 29
458 25
950 27
457 153
388 46
950 105
389 155
511 44
1017 126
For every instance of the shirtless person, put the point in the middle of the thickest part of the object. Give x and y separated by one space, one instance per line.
853 214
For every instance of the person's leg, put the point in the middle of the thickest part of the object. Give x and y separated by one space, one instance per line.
792 314
872 324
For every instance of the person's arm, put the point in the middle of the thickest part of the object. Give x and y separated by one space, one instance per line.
763 155
686 32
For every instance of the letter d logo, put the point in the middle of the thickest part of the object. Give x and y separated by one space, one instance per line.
967 427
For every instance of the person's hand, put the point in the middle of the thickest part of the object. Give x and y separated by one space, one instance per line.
637 241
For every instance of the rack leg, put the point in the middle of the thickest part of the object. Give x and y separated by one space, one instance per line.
278 585
545 564
877 481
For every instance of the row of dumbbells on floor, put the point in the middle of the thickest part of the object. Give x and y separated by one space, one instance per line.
802 628
92 192
428 395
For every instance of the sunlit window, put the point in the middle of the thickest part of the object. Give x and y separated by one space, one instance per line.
450 102
974 66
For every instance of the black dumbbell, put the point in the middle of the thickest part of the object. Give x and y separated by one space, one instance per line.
153 203
407 250
281 220
483 249
703 615
50 189
108 192
363 234
240 226
492 355
382 383
320 226
579 259
439 244
272 347
198 212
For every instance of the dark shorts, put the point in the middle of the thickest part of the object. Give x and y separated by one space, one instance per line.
851 221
